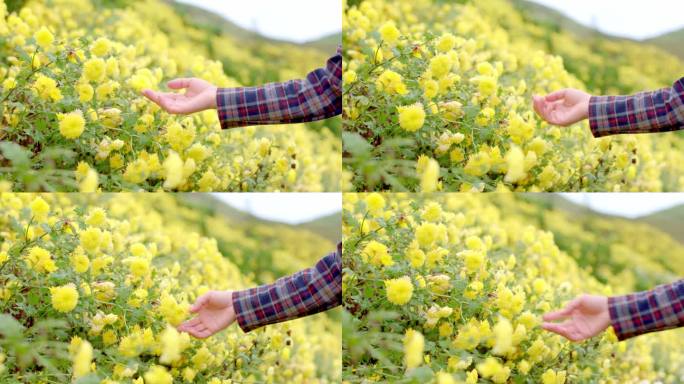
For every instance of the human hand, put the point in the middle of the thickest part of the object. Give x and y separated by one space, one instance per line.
199 95
587 316
564 107
214 312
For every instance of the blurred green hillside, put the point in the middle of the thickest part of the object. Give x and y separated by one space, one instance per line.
281 248
612 248
671 42
669 220
605 63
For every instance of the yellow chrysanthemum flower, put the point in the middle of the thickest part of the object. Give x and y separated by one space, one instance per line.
82 359
399 291
173 167
389 32
72 124
411 117
44 37
94 70
85 92
101 47
515 159
158 375
64 298
414 344
39 209
40 259
375 203
376 253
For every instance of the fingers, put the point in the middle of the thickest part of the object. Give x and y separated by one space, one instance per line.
537 104
200 302
541 107
198 330
161 99
189 324
554 96
563 312
152 95
178 83
565 329
553 327
544 108
192 324
204 334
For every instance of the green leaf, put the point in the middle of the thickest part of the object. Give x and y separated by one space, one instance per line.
89 379
17 154
421 374
355 144
33 298
10 327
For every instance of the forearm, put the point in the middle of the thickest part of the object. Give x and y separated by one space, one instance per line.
304 293
649 311
316 97
645 112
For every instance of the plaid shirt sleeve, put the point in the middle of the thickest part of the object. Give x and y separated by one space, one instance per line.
649 311
304 293
656 111
318 96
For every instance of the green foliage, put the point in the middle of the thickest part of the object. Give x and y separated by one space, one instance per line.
14 5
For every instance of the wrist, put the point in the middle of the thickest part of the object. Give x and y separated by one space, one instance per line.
214 97
605 313
585 108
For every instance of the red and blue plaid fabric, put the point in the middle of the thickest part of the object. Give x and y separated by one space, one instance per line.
656 111
306 292
643 312
318 96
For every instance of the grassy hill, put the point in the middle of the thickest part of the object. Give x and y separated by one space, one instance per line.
556 201
329 226
218 25
282 248
671 42
668 220
326 43
611 247
201 18
542 14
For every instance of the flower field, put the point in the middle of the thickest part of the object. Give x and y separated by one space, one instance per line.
438 97
72 116
450 288
92 286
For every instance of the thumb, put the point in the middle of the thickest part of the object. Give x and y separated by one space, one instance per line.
537 103
179 83
563 312
558 95
563 329
200 302
150 94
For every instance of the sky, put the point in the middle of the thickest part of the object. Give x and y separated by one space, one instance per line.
290 208
629 205
637 19
296 208
297 21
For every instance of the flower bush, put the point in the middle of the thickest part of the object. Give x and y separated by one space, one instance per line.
450 288
438 97
72 115
93 285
